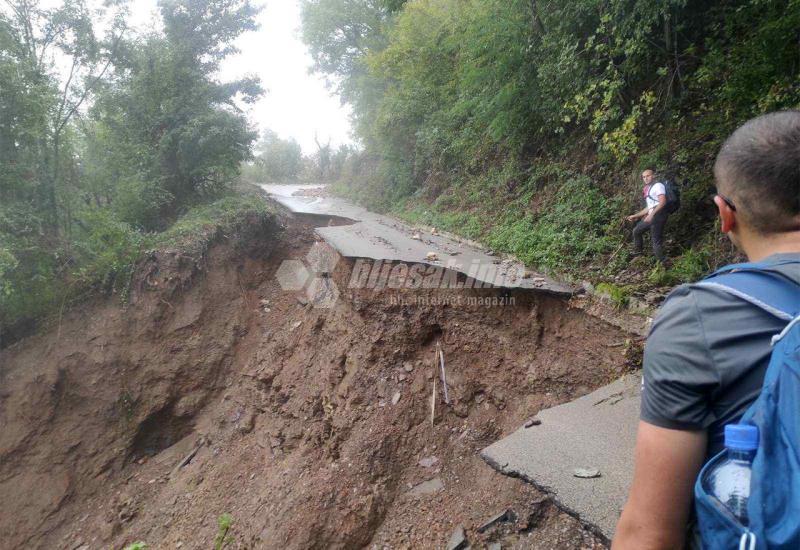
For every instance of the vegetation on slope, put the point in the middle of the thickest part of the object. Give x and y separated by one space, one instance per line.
526 124
99 159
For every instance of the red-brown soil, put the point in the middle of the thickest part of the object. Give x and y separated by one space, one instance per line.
215 392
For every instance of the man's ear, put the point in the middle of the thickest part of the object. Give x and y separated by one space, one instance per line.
726 215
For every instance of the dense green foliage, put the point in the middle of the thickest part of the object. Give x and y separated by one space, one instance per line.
105 140
526 123
276 160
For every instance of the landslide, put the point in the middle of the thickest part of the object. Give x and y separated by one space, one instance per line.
215 392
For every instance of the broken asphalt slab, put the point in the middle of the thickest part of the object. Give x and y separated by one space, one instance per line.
377 237
596 431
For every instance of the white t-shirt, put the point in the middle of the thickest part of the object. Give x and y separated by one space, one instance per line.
656 190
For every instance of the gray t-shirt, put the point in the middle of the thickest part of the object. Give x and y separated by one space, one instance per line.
706 356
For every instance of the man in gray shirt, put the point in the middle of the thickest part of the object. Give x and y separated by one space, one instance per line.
707 352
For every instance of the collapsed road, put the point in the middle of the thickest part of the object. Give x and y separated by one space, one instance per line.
219 397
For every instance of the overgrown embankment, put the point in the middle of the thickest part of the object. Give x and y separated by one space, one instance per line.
215 398
527 124
104 263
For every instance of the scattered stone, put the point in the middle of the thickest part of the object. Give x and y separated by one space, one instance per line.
408 367
296 324
428 461
433 231
402 377
504 516
427 487
586 473
495 546
302 300
458 539
396 398
532 422
416 237
431 256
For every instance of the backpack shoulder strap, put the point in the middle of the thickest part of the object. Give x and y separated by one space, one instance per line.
763 287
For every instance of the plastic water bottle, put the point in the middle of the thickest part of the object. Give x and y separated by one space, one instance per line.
729 480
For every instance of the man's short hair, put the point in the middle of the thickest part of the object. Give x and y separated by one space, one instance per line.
759 166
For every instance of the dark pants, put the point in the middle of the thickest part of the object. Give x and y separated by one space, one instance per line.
656 228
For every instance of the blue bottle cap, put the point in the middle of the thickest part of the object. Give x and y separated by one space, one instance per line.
741 437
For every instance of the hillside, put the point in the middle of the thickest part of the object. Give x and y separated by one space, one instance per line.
526 124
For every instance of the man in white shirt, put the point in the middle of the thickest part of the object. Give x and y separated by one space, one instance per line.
653 216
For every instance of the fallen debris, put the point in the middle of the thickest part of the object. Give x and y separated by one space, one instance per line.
533 422
504 516
431 257
396 398
586 473
428 461
188 458
458 539
427 487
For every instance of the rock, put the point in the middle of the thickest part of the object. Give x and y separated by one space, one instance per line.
427 487
428 461
586 473
532 422
505 515
296 324
402 377
431 256
408 367
433 231
396 398
247 423
302 300
588 287
495 546
416 237
458 539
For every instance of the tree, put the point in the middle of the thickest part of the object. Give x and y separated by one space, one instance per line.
277 160
174 125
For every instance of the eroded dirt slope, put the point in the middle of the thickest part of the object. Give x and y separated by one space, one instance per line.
216 392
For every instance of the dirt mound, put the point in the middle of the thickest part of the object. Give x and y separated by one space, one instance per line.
216 392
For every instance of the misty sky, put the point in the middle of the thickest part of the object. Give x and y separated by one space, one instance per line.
296 103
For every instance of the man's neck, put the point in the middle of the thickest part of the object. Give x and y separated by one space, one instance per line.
758 248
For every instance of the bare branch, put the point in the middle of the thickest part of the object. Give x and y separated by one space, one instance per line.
89 87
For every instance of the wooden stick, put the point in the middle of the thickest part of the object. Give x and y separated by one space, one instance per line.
442 373
433 401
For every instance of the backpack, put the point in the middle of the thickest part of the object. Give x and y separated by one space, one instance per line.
774 505
672 192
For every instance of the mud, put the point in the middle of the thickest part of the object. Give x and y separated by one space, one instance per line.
216 392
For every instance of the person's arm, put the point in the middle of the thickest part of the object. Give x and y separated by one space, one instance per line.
639 215
660 498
